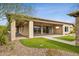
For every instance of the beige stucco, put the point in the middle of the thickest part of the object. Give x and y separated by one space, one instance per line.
57 30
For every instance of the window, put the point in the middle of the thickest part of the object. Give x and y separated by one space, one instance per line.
37 29
47 29
66 29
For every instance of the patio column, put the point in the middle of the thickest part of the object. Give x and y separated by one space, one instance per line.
63 29
41 29
13 30
31 29
52 30
76 15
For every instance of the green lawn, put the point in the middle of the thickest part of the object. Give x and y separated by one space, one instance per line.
45 43
68 38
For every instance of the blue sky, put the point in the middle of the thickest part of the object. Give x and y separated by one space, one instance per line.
52 11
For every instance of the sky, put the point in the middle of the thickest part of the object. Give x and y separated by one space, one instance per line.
51 11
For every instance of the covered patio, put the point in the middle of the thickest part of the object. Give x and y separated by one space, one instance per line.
38 29
27 26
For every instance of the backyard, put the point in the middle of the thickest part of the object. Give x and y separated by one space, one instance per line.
41 46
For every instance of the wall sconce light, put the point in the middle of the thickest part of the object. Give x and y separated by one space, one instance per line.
57 27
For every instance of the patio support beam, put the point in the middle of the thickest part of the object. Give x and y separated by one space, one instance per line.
31 29
52 30
63 29
13 30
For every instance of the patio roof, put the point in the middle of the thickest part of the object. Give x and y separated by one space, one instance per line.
22 18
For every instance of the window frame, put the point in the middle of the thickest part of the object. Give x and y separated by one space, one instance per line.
66 28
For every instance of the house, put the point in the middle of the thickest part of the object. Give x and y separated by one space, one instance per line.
31 26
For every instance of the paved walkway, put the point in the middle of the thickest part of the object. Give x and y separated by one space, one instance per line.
55 39
64 41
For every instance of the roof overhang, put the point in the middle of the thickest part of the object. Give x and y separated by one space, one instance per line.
74 14
23 18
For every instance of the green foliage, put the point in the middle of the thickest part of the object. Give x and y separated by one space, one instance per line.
3 39
71 32
68 38
74 29
45 43
3 35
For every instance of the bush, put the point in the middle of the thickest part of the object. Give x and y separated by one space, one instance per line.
3 35
3 39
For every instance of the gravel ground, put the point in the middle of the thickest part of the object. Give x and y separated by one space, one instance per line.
19 50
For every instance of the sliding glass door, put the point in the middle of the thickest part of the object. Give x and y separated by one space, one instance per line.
46 30
37 30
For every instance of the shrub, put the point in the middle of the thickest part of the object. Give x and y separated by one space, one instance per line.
3 39
3 35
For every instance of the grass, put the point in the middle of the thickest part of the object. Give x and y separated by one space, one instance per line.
68 38
45 43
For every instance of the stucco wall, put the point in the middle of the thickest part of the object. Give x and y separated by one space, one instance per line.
57 31
24 30
70 28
